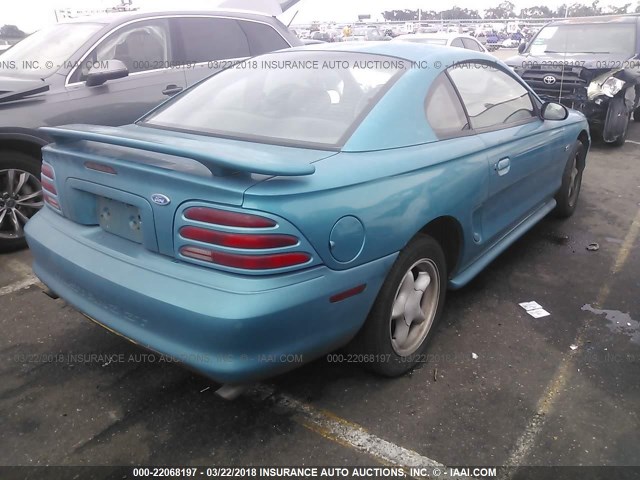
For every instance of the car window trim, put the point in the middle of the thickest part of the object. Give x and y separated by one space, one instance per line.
67 82
501 126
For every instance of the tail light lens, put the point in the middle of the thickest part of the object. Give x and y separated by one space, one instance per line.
47 171
50 193
52 201
238 240
247 262
249 237
48 186
228 219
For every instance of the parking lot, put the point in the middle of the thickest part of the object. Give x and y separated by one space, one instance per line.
498 388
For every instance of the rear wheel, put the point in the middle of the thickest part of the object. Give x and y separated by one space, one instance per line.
567 196
408 306
20 196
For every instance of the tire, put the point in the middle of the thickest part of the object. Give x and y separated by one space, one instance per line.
636 115
379 339
24 171
567 196
620 141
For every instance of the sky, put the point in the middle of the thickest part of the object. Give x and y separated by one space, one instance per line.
30 15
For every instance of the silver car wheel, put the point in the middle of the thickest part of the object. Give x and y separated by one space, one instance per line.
20 199
414 307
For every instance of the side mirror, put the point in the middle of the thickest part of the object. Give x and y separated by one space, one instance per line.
522 47
114 69
554 111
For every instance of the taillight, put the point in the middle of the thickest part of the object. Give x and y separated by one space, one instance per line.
226 218
279 247
52 201
238 240
47 171
48 186
50 193
247 262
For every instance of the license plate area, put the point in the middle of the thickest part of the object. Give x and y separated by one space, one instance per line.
119 218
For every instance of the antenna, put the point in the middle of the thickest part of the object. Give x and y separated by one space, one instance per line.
293 18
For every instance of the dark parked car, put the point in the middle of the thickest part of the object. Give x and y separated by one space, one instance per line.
110 71
588 64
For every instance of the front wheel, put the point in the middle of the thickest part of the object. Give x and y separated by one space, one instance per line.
408 306
20 197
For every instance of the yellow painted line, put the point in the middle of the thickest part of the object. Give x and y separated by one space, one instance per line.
346 433
559 380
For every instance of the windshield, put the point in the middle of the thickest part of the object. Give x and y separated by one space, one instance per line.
604 38
293 98
43 52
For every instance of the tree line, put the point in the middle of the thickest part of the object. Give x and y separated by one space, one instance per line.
506 9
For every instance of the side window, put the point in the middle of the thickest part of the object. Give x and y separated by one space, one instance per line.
456 42
491 96
443 109
206 38
262 38
471 44
141 46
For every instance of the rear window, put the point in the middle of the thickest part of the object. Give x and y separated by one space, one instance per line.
292 98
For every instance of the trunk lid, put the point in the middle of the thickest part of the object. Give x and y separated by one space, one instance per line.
130 181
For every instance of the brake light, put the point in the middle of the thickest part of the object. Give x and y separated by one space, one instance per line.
46 171
51 201
247 262
50 193
100 168
228 219
48 186
237 240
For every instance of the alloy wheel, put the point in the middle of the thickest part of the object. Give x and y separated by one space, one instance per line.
20 199
414 307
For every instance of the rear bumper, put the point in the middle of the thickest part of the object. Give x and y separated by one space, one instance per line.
229 327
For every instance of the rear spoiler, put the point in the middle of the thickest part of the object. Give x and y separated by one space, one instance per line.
220 159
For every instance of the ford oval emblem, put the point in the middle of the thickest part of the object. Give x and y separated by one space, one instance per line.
549 80
160 199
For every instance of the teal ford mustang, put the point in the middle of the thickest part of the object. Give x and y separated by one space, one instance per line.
302 201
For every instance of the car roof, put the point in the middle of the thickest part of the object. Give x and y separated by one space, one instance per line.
117 18
443 35
601 19
411 51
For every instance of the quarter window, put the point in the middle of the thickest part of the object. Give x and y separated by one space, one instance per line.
204 39
444 111
492 98
456 42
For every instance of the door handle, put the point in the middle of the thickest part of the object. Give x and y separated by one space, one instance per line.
171 90
503 166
